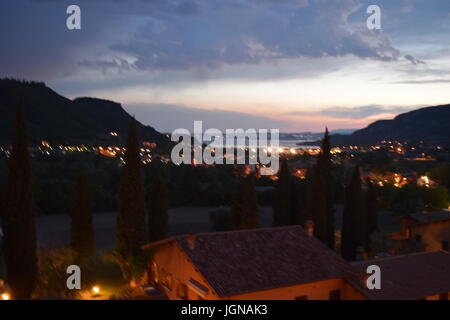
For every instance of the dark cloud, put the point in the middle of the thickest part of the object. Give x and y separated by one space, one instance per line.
168 117
355 113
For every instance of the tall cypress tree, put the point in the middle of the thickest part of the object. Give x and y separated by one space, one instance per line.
81 226
19 227
326 167
321 198
371 213
131 231
245 214
282 207
158 203
354 223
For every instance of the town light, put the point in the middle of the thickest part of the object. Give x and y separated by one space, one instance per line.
6 296
95 290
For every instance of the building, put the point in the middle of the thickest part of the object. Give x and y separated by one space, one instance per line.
275 263
416 276
286 263
422 232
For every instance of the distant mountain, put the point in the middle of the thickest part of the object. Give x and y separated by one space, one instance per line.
430 125
312 136
56 119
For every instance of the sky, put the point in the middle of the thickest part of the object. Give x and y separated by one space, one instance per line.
293 65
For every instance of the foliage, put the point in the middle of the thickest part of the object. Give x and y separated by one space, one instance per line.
18 219
131 231
158 218
52 276
354 223
81 226
220 220
245 213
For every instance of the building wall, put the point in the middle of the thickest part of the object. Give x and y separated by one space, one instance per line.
313 291
170 259
432 234
170 262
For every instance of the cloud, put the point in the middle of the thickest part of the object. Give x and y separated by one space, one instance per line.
355 113
432 81
168 117
250 32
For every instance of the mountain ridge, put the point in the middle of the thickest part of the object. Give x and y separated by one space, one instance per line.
57 119
430 125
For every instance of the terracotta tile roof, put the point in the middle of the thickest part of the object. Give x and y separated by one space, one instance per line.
435 216
407 277
252 260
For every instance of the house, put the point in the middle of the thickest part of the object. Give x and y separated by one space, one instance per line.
416 276
423 231
287 263
275 263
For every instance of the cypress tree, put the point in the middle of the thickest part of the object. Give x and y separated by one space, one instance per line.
317 203
81 226
245 214
158 218
131 231
326 167
282 208
354 224
19 243
371 213
321 198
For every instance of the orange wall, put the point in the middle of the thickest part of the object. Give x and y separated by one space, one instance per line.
175 262
432 234
314 291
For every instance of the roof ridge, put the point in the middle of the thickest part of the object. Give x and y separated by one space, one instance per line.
399 256
238 231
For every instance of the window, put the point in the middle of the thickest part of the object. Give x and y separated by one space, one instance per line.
418 238
445 245
443 296
301 298
335 295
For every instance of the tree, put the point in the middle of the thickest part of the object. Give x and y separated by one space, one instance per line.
370 213
19 227
282 208
81 227
131 231
321 199
245 214
353 224
158 203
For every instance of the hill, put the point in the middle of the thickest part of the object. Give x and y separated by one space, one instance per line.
59 120
430 125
